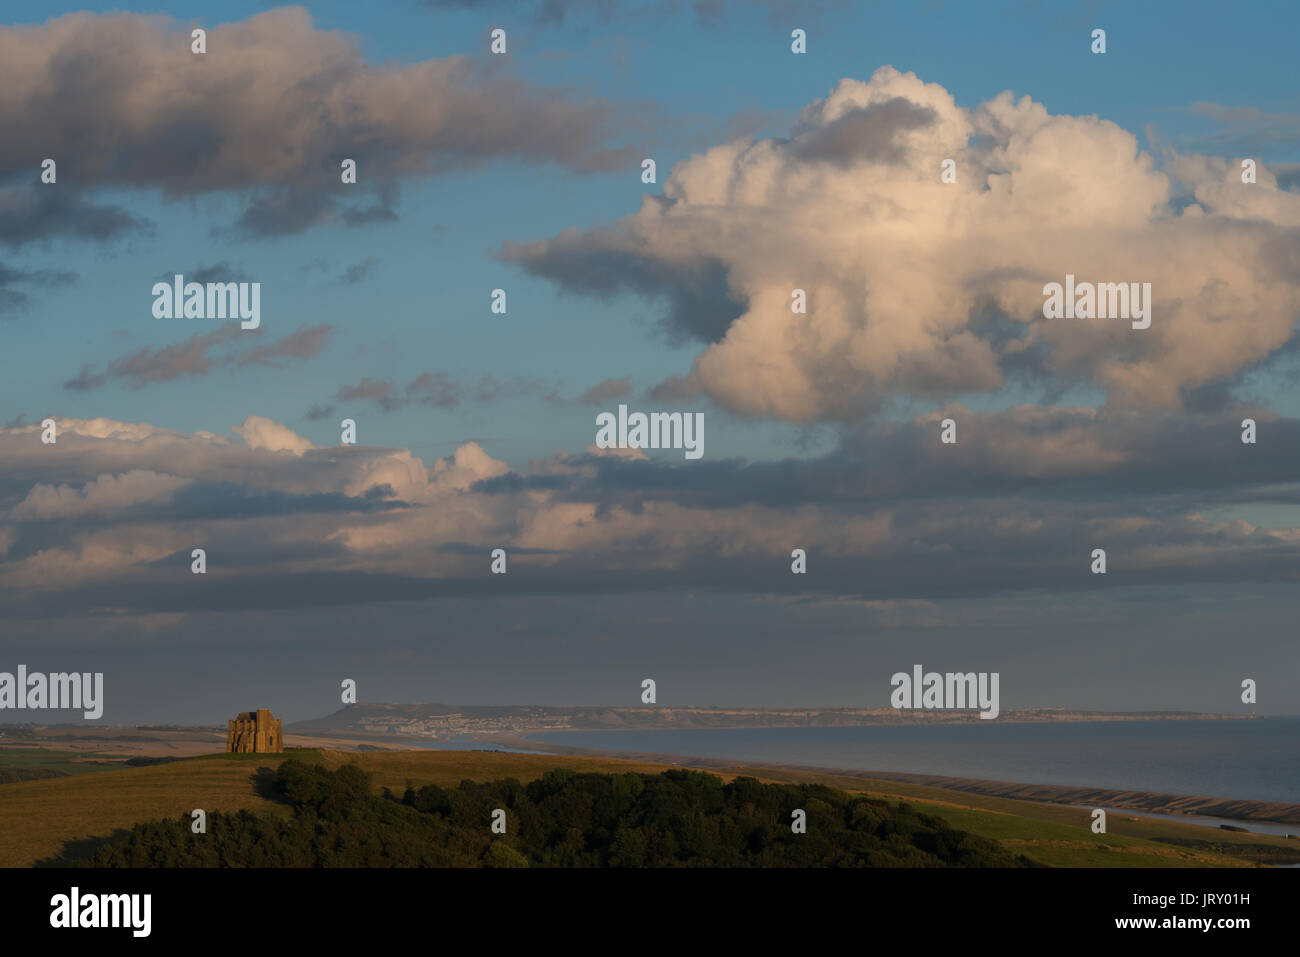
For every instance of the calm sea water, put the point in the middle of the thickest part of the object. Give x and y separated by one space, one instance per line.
1255 759
474 744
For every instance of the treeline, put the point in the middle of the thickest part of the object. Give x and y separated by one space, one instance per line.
563 819
12 775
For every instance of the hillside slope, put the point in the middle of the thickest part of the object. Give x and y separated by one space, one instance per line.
41 820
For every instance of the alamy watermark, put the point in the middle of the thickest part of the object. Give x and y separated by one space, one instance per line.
212 300
58 691
952 690
657 430
75 909
1103 300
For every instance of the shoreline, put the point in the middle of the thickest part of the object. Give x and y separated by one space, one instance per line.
1155 802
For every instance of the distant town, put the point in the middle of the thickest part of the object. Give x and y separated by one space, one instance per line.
379 726
445 722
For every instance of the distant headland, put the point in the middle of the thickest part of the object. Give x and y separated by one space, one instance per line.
440 722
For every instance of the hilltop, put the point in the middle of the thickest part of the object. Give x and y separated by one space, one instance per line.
45 819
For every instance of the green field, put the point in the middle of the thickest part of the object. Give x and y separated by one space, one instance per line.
1061 836
42 819
21 763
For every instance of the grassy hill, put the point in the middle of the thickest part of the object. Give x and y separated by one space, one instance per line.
43 819
38 818
24 764
1061 836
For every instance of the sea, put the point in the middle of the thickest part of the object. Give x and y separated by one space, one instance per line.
1250 759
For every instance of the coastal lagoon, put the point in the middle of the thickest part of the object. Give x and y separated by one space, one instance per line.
1250 759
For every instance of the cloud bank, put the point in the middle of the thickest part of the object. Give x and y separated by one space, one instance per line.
119 100
928 290
107 516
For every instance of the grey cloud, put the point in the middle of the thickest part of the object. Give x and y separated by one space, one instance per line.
195 356
1026 454
539 12
436 389
218 272
283 212
701 305
14 301
1288 174
490 388
49 278
45 212
95 105
863 133
354 274
440 390
382 210
1016 506
205 501
85 380
605 390
571 13
304 343
188 358
370 390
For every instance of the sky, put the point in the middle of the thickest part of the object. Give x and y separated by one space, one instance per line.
775 171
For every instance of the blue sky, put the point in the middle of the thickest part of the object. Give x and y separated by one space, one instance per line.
424 303
924 306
